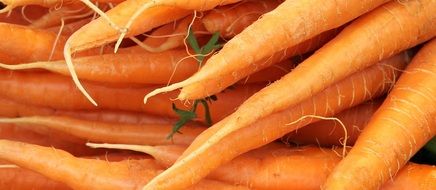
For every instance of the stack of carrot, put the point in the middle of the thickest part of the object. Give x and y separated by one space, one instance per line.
217 94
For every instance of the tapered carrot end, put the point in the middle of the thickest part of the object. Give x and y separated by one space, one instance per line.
166 89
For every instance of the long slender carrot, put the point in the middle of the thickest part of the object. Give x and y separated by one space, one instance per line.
364 85
159 68
230 20
46 89
328 133
80 173
97 131
69 28
45 138
19 178
9 108
401 126
295 22
212 86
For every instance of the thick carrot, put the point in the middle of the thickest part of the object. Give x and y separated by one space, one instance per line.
19 178
328 133
97 131
289 24
80 173
401 126
364 85
46 89
9 108
212 86
230 20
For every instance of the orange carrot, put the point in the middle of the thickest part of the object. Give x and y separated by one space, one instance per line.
270 74
289 24
329 133
159 68
212 86
50 90
80 173
45 138
230 20
64 14
413 176
69 28
97 131
23 16
19 178
9 108
403 124
365 85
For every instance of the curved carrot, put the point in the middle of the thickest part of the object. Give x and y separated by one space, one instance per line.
295 22
19 178
402 125
230 20
329 133
97 131
46 89
66 13
212 86
80 173
365 85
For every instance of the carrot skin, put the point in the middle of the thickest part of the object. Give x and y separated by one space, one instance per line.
400 127
18 178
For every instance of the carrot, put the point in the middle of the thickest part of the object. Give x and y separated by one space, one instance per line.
97 131
22 16
365 85
329 133
80 173
160 68
69 28
413 176
230 20
9 108
171 35
288 18
270 74
65 14
403 124
18 178
46 89
45 138
212 86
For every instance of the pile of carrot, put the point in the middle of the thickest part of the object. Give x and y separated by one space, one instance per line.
218 94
